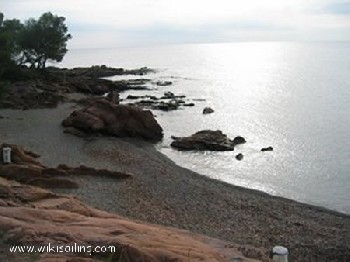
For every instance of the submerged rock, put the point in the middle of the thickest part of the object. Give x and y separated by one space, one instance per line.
106 118
168 95
163 83
132 97
166 106
204 140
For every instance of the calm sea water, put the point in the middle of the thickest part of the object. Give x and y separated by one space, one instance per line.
292 96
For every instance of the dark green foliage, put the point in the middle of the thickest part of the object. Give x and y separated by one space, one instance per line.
9 49
33 43
44 39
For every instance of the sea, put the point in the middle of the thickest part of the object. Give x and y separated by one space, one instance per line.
292 96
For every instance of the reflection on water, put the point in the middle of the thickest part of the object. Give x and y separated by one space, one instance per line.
292 96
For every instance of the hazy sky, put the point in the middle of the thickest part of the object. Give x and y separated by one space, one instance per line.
111 23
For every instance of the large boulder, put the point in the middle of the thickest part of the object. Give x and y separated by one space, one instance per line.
204 140
104 117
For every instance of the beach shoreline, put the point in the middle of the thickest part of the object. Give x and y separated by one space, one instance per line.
162 192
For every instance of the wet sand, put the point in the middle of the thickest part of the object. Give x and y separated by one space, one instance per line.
163 193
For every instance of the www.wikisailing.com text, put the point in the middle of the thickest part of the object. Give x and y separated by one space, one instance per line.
74 248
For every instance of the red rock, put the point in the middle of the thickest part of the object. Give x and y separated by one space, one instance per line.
107 118
36 216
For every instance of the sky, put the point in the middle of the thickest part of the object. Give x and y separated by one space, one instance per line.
133 23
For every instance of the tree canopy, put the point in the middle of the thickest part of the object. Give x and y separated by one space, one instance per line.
35 42
44 39
9 49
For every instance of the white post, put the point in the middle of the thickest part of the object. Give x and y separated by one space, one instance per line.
280 254
6 155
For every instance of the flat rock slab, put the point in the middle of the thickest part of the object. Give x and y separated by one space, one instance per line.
34 216
25 168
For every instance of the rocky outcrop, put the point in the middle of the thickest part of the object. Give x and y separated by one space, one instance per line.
45 89
85 85
206 140
169 101
98 71
104 117
26 95
132 84
25 168
33 216
170 95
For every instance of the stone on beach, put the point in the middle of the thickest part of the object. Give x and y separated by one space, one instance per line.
104 117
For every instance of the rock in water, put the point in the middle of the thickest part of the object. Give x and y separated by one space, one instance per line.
270 148
239 140
163 83
208 110
204 140
239 157
106 118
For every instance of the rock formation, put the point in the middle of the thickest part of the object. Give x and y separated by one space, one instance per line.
104 117
33 216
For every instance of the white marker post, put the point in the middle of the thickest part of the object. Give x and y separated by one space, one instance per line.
280 254
6 155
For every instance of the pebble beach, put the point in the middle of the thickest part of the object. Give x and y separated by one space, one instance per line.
162 192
